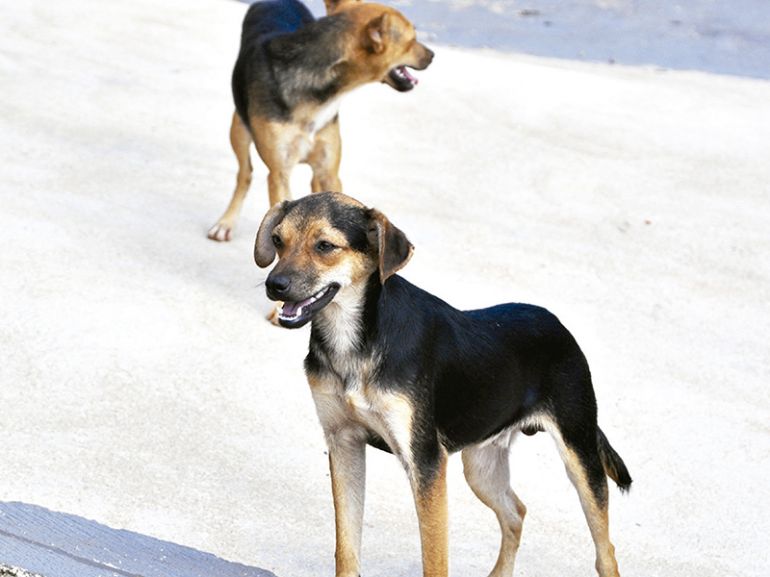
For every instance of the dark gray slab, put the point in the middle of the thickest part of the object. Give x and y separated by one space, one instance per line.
63 545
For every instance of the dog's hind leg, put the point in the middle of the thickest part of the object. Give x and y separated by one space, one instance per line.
240 140
579 450
324 159
281 146
486 470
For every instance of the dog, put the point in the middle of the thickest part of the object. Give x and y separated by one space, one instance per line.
291 73
395 367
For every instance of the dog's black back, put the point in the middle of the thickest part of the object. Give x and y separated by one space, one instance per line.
270 18
274 71
504 363
484 370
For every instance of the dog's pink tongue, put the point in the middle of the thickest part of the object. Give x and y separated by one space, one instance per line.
290 309
409 77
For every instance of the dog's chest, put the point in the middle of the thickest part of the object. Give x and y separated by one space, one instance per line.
323 115
354 400
347 391
359 396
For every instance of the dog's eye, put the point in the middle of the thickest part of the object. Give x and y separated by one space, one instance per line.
324 246
277 242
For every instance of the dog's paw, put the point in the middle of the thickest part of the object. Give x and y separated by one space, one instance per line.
272 316
221 232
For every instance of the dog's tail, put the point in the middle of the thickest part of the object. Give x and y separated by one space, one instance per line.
612 463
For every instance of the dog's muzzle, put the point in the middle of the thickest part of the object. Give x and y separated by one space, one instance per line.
401 79
297 313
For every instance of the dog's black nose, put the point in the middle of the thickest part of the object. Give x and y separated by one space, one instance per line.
278 284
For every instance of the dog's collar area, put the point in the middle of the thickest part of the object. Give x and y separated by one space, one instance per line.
298 313
402 79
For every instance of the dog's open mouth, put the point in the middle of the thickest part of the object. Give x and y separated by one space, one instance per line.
296 314
400 79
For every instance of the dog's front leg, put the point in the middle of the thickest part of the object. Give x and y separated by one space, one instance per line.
347 463
428 480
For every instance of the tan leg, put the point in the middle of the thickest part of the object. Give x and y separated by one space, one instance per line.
594 501
280 145
278 185
486 470
431 501
240 140
347 463
272 316
324 159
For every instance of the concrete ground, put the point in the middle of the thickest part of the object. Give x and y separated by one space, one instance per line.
142 391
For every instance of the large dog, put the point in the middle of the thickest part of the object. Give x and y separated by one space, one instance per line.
395 367
290 75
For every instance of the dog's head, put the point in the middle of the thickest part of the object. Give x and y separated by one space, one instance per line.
327 244
384 45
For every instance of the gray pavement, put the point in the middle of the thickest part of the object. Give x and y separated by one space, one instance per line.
142 391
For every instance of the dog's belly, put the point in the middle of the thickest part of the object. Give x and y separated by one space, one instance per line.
308 122
469 409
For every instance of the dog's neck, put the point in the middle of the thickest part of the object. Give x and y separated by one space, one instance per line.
343 327
339 326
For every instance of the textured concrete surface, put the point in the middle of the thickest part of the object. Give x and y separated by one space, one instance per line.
141 388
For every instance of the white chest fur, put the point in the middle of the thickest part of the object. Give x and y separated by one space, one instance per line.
324 115
358 407
349 400
306 123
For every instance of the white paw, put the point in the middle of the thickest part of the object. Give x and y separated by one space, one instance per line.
272 316
221 232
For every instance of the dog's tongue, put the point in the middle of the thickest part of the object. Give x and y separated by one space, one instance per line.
290 309
405 72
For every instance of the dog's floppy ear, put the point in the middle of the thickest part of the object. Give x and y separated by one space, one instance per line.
376 32
393 248
264 251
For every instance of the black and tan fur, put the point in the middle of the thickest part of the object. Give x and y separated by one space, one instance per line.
291 72
395 367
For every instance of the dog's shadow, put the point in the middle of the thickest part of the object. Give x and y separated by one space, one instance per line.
57 544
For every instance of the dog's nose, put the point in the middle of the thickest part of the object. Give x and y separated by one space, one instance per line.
427 57
278 284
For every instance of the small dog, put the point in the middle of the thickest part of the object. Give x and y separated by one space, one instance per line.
395 367
292 71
